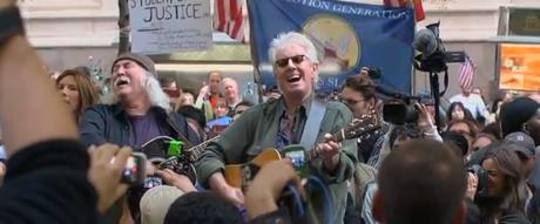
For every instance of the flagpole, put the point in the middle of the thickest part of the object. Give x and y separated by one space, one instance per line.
254 55
413 78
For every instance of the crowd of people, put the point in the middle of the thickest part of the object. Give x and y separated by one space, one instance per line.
338 160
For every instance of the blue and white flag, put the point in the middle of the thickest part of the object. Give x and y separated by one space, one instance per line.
348 36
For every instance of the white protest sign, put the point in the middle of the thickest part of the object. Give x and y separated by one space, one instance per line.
168 26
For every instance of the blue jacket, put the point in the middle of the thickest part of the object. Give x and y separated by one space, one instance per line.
110 124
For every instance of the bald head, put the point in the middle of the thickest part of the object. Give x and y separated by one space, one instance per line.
230 91
421 182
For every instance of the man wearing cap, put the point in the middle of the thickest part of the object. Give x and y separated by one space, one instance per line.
525 149
138 111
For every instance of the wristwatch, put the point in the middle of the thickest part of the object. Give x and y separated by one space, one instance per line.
11 23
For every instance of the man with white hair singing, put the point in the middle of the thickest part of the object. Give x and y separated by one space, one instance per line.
139 111
282 122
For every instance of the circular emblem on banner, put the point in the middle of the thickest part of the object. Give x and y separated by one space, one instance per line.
337 42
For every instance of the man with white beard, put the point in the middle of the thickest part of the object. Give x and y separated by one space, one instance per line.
138 111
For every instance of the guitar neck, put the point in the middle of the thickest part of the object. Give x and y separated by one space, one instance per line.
314 152
195 151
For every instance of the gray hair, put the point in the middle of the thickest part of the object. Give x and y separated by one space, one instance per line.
231 80
153 90
289 38
294 38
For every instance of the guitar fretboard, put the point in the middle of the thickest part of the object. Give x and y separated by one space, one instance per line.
196 151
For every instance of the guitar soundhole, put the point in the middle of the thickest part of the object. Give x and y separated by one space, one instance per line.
248 173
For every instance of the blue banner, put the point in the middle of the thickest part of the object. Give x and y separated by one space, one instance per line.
348 36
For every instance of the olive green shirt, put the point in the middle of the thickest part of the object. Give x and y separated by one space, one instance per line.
257 130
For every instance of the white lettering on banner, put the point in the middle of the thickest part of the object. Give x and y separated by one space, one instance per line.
168 26
347 9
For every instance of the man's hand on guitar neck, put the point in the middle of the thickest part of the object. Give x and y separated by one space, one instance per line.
329 150
219 185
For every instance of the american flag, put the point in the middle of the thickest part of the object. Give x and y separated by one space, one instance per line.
466 75
417 5
229 18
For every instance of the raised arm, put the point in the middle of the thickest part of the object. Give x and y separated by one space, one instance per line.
24 87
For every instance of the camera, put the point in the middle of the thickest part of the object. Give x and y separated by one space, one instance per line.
434 57
398 112
482 174
134 172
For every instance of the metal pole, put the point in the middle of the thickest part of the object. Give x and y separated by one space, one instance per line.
123 27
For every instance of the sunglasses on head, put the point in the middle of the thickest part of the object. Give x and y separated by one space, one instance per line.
297 59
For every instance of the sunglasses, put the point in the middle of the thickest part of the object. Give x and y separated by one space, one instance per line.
297 59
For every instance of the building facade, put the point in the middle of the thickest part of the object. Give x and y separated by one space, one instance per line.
68 33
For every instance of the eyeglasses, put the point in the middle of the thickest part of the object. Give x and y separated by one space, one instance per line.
349 102
297 59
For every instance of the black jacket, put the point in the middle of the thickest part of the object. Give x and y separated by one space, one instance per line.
110 124
47 183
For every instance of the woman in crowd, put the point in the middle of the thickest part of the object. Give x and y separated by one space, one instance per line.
457 111
464 127
504 199
77 91
482 140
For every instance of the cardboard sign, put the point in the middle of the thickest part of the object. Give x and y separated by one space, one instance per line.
168 26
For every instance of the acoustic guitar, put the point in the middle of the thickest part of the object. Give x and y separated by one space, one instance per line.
239 175
156 150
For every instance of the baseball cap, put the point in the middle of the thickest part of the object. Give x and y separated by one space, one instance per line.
524 142
156 202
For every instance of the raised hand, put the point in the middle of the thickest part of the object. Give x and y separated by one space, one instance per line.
107 163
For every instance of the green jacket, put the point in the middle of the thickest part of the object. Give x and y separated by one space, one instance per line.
257 129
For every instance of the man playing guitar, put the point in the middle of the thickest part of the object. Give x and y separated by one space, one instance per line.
281 122
139 111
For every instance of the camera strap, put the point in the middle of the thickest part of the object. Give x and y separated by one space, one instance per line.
313 124
445 83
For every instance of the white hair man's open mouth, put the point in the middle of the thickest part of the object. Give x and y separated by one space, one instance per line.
121 81
294 78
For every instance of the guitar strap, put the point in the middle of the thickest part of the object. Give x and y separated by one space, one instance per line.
313 124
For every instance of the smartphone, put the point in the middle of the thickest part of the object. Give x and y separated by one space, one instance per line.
297 155
134 172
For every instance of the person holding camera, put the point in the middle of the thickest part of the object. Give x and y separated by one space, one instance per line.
399 134
498 186
420 127
50 176
359 95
